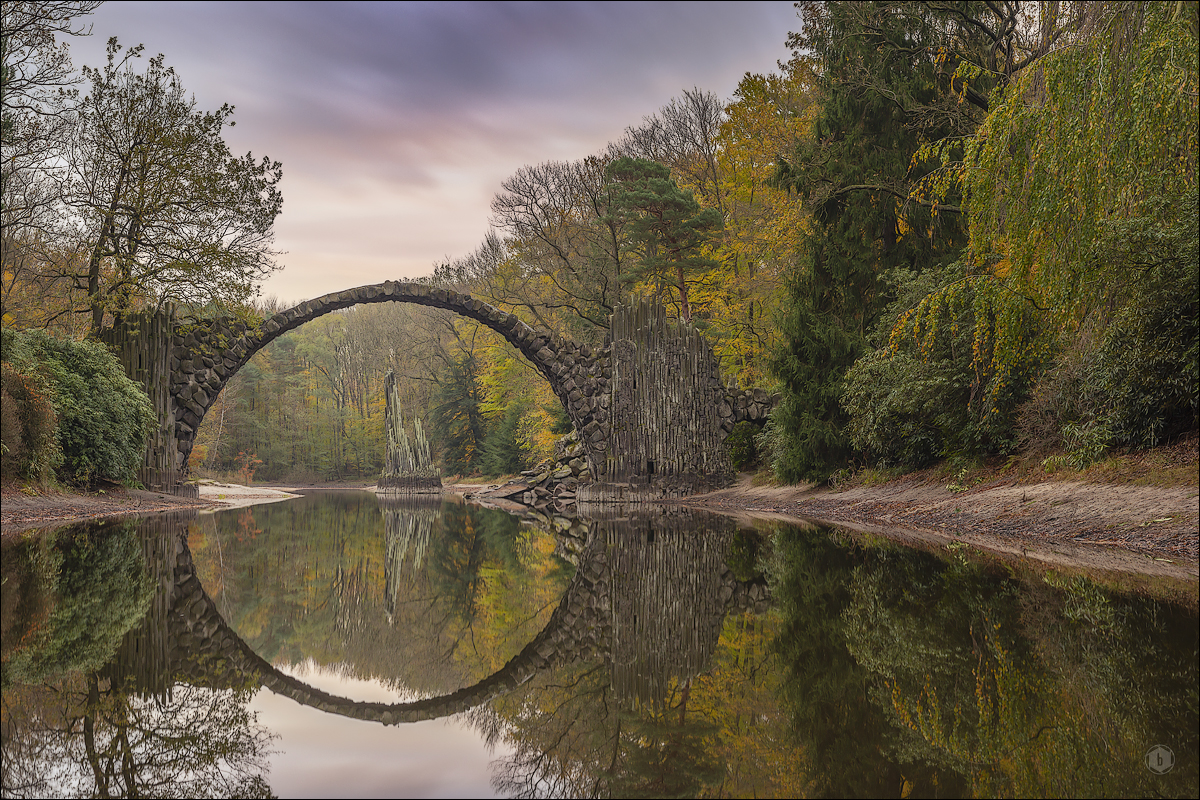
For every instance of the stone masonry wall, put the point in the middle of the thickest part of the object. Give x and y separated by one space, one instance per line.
668 413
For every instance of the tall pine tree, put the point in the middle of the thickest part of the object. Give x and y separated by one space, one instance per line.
667 227
882 72
456 420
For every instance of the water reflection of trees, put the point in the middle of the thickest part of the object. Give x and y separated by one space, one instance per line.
68 598
678 701
424 599
936 675
664 692
882 670
83 737
76 726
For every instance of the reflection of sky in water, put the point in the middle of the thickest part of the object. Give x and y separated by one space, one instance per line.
324 755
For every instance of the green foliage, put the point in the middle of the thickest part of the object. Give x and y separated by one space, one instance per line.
855 175
666 226
1080 189
100 591
743 448
1005 338
1132 382
806 431
28 426
192 222
668 757
103 416
904 410
560 423
934 389
1148 364
1082 199
456 420
504 451
1102 131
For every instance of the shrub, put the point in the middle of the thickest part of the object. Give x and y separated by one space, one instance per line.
1134 382
903 410
103 417
1148 364
28 427
1064 395
940 383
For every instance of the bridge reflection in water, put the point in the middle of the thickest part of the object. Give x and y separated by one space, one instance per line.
649 597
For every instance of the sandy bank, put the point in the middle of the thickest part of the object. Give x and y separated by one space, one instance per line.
1148 530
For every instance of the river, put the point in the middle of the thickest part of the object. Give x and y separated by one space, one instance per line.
343 645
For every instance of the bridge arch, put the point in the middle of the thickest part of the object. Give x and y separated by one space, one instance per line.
650 408
204 357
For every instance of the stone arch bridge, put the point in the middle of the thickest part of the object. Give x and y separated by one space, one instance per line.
650 408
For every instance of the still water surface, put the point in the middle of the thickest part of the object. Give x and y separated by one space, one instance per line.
649 651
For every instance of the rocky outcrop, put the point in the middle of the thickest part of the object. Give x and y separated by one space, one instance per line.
408 467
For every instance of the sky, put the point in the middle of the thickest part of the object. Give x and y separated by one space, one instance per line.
397 122
325 755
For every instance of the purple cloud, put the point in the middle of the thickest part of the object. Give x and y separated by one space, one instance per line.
396 122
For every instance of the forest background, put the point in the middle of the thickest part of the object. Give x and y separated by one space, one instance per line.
941 230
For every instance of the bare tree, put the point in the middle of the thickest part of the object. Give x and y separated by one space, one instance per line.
85 738
36 95
683 136
569 250
35 65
